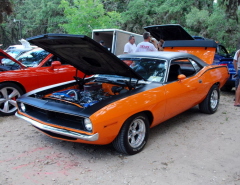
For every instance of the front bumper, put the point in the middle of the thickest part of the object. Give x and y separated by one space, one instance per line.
59 131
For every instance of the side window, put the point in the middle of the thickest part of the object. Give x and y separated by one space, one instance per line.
181 66
54 58
195 65
222 51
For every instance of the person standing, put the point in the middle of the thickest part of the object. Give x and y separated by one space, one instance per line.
146 45
130 46
103 44
160 45
236 64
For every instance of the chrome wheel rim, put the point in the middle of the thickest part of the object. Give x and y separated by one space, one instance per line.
8 96
214 99
136 133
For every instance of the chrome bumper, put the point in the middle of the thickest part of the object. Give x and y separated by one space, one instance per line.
64 132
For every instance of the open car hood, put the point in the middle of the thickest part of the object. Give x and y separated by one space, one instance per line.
84 53
178 39
203 49
4 55
168 32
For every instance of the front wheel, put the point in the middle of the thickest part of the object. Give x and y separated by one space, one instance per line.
210 104
9 92
133 135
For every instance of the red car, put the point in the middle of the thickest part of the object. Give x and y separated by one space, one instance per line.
31 70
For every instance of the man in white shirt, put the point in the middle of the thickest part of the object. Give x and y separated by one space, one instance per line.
130 47
146 45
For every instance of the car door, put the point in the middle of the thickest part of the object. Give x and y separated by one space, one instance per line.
40 71
52 74
182 94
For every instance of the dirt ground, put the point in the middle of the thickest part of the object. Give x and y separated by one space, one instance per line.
190 149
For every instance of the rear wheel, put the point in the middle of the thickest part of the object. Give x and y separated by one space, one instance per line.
9 92
133 135
210 104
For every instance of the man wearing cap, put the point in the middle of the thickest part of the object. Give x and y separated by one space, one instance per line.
130 47
146 45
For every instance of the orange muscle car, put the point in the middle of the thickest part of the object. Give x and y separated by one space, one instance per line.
29 71
125 97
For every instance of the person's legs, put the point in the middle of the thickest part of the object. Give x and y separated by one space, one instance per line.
237 93
236 82
237 97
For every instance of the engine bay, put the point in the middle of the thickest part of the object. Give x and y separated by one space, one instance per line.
89 94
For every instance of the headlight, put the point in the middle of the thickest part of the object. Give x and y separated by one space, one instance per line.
88 124
23 107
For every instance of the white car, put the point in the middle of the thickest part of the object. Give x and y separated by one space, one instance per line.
16 50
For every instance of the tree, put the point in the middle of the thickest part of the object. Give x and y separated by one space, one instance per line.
140 13
214 25
115 5
44 17
230 7
84 15
34 17
6 7
207 18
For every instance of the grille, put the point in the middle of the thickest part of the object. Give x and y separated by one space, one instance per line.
55 118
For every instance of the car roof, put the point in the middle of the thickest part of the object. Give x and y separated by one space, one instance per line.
165 55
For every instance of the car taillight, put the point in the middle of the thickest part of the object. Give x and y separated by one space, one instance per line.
223 64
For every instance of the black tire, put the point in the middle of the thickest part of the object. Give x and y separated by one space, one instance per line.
226 88
210 104
133 135
9 92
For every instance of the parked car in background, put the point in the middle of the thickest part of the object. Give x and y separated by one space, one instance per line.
25 45
16 50
222 57
125 96
31 70
170 32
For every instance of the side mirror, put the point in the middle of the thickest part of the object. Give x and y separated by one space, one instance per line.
181 77
55 64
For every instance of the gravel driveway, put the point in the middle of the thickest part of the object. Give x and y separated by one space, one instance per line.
190 149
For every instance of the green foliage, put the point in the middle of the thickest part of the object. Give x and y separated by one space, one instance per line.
44 19
115 5
218 21
140 13
215 25
6 7
84 15
198 21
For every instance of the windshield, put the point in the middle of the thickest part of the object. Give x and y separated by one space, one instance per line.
12 53
150 69
29 59
32 58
